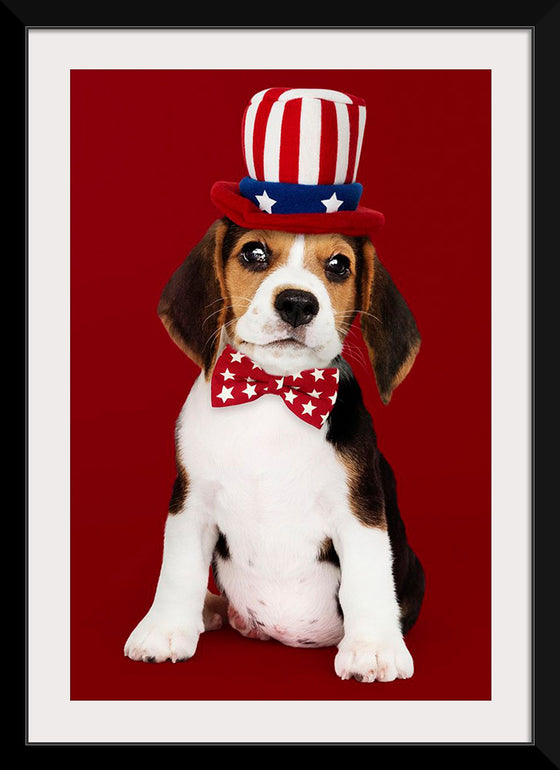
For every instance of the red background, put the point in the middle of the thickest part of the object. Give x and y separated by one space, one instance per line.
146 146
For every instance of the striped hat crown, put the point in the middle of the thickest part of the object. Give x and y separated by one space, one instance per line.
302 148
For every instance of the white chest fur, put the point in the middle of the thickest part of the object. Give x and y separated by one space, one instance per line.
273 486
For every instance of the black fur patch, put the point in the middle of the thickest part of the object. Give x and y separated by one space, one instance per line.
190 300
407 569
373 490
349 413
222 547
350 430
338 606
389 329
221 553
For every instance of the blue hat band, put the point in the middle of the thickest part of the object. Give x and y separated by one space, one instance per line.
285 198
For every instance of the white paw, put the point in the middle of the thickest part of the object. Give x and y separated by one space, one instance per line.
370 661
155 640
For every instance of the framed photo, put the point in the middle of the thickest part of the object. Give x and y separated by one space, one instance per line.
114 117
127 130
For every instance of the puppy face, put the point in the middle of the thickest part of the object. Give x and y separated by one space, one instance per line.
291 297
287 301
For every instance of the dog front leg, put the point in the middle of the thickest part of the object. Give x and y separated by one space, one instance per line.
372 647
172 626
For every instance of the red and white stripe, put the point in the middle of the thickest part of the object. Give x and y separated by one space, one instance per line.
303 136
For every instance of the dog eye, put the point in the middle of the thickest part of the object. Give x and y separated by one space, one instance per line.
254 255
337 267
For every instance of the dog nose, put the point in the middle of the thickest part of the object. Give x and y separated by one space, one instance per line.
296 307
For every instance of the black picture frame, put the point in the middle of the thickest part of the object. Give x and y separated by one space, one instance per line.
18 16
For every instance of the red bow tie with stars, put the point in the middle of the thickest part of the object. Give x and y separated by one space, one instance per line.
309 394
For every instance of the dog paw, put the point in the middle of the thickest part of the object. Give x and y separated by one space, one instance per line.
370 661
154 641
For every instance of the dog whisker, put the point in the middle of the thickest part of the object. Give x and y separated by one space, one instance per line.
230 296
355 312
226 307
355 355
353 350
218 331
344 324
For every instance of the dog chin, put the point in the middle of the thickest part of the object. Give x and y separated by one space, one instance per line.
286 356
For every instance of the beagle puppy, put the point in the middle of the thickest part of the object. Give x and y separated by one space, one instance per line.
299 522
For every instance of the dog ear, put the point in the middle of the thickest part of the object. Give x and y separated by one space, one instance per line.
192 305
388 326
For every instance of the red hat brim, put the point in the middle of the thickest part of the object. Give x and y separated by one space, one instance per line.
361 222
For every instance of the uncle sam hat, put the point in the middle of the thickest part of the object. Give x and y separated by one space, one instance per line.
301 147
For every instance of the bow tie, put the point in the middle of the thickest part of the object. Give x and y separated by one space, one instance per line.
309 394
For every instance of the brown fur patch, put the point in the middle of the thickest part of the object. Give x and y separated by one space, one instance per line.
365 498
179 493
343 295
407 364
241 284
180 485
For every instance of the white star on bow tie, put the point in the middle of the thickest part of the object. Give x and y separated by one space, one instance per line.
225 394
308 408
318 374
237 357
250 390
290 396
227 375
